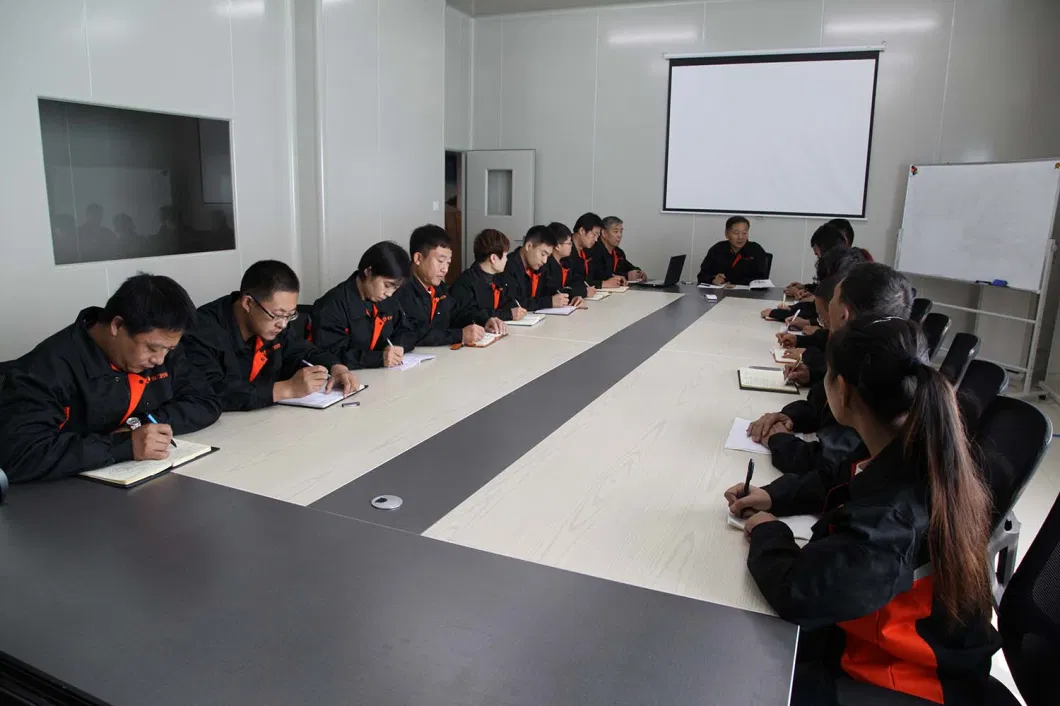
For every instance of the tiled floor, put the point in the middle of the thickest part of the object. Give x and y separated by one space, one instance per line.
1031 510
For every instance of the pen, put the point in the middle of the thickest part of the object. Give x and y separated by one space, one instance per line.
518 304
151 418
351 404
762 367
747 482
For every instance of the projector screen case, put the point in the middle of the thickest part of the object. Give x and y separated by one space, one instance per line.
770 133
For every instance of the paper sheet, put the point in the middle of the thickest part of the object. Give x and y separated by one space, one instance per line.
711 297
801 525
319 399
742 287
528 320
739 441
411 360
617 290
557 311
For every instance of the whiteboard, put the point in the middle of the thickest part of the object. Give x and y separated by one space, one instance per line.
975 222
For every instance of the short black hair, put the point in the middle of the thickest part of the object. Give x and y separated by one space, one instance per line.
735 221
844 227
540 234
427 238
266 277
825 289
561 231
827 237
838 261
385 259
876 290
490 242
148 303
587 221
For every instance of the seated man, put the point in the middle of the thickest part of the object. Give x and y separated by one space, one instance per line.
558 273
867 290
430 310
242 344
609 259
358 320
587 231
735 260
481 295
66 406
523 271
835 233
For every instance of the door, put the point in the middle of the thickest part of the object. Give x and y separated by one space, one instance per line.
499 194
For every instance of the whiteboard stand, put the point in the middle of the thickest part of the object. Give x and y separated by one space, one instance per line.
1035 324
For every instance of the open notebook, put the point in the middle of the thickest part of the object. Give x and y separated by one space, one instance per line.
320 399
766 380
600 294
130 473
411 360
558 311
615 290
487 340
801 525
528 320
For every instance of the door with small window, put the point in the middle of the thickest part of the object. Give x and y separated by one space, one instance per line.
499 194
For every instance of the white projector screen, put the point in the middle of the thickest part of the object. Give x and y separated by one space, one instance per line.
772 134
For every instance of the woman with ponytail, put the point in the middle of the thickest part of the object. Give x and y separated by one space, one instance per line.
893 588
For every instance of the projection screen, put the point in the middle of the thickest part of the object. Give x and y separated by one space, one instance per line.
772 134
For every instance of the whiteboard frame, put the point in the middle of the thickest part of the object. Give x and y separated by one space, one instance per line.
1050 241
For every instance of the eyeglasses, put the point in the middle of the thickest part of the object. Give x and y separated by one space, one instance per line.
286 319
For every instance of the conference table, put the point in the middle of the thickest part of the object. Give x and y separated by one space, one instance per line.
561 539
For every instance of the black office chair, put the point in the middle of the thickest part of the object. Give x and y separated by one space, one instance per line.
935 326
767 265
982 382
1029 617
1012 436
920 309
963 349
304 324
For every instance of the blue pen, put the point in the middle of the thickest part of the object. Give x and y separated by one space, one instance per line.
151 418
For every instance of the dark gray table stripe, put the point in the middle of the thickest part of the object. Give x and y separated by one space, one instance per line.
438 474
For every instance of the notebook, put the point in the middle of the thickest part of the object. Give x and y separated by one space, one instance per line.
739 441
616 290
487 340
743 287
130 473
780 356
528 320
320 399
411 360
801 525
600 294
761 284
766 380
557 311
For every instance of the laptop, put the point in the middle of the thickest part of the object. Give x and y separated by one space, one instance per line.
673 275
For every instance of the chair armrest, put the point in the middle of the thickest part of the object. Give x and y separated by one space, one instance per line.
1001 554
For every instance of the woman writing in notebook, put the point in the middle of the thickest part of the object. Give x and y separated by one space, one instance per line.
358 321
893 588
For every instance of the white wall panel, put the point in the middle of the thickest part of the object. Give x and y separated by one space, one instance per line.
457 80
487 88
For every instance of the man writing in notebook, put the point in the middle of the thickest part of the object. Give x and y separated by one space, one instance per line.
608 258
557 271
481 295
425 298
68 406
523 272
247 350
586 232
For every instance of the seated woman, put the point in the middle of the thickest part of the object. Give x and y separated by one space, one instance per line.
358 321
892 589
735 260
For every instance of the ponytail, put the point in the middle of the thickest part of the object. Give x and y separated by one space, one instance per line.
886 362
959 529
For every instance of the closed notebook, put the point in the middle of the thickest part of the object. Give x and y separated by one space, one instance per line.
320 399
130 473
765 379
487 340
557 311
528 320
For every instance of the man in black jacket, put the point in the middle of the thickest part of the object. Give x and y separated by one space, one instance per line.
430 311
558 274
587 230
735 260
608 258
523 273
243 345
68 405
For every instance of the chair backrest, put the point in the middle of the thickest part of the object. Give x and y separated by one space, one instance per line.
963 349
767 265
982 382
1029 617
920 309
1013 436
304 324
935 326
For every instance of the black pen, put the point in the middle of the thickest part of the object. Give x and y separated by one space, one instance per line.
747 482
